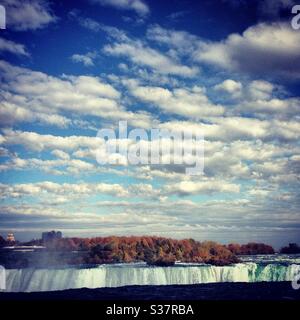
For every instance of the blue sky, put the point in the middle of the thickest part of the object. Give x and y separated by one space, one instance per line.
229 68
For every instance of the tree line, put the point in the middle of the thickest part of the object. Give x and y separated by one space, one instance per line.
154 250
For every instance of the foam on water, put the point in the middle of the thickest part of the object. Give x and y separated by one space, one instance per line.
29 280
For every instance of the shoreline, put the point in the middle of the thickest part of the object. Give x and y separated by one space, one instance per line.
208 291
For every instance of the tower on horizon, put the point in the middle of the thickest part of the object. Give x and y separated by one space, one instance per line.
52 235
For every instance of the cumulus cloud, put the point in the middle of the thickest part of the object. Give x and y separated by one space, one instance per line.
229 85
40 142
58 166
20 190
60 154
185 188
271 49
30 95
260 90
11 112
260 98
265 49
286 108
241 128
28 14
69 191
187 102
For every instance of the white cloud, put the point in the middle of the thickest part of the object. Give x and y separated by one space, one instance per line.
260 90
87 59
20 190
273 167
69 190
11 112
28 14
182 41
266 100
13 47
205 186
230 86
139 6
58 166
259 192
263 49
186 102
82 94
30 95
142 55
60 154
240 128
285 107
38 142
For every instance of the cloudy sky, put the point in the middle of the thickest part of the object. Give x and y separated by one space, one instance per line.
229 68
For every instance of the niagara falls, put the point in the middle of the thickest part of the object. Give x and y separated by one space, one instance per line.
35 280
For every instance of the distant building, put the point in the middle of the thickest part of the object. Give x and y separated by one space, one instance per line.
52 235
10 237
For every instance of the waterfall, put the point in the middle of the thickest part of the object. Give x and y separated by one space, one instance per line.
29 280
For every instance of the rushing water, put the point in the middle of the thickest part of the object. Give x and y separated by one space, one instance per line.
252 269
